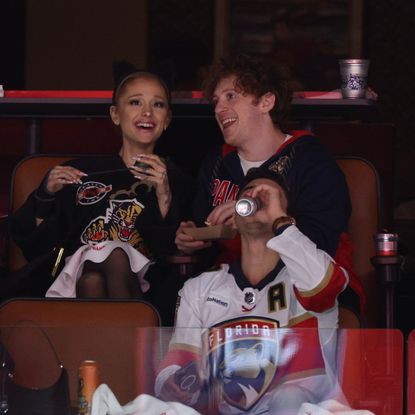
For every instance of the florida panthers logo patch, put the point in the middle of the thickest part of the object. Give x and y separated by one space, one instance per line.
91 192
117 225
281 165
124 215
243 356
248 358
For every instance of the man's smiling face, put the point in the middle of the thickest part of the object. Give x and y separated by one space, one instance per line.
236 112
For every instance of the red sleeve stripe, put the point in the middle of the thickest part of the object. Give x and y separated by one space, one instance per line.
179 357
323 297
344 257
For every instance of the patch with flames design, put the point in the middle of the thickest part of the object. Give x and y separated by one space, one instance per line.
91 192
243 356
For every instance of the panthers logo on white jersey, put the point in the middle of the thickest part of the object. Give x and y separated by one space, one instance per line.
243 356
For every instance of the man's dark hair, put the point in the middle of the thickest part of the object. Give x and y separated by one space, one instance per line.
264 173
253 76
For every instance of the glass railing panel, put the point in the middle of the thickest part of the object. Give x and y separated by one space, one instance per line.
232 369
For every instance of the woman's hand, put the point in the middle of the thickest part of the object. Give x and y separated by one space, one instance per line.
152 170
61 176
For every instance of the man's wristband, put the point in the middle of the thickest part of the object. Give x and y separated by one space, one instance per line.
282 221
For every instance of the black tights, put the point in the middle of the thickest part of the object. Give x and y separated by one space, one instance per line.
111 278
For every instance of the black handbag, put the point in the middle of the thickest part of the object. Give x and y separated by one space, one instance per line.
16 399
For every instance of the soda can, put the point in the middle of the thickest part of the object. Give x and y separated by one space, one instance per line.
247 206
88 381
386 244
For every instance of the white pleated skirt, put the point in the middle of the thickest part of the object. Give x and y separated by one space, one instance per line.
65 283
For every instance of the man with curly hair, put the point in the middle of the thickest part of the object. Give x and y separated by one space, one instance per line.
251 100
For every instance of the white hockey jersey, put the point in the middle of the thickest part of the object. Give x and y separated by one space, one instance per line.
248 334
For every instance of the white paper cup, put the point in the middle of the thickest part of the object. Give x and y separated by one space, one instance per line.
354 76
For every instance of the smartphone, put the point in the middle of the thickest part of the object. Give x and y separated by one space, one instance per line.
142 165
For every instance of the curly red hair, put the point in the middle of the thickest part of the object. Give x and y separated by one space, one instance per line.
253 76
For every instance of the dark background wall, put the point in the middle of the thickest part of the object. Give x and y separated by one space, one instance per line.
389 35
12 44
71 44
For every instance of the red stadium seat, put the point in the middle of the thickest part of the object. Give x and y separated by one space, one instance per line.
363 183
